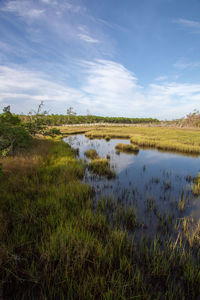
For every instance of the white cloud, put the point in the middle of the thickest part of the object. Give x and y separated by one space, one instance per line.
193 26
183 64
108 88
24 89
188 23
161 78
87 38
111 88
23 9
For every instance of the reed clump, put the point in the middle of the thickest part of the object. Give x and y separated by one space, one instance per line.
127 148
107 138
101 167
91 153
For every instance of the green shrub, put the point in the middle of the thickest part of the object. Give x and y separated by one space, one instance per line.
13 136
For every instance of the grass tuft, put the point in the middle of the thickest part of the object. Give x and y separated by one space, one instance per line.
91 153
101 167
127 148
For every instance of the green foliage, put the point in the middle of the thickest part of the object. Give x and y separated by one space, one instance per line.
13 136
34 123
52 132
72 118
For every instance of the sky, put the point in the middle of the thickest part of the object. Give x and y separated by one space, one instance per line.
129 58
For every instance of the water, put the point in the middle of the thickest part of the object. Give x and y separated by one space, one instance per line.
153 182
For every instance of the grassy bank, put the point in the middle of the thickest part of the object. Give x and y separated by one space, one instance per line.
181 140
127 148
56 243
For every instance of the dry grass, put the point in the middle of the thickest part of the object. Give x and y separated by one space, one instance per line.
28 161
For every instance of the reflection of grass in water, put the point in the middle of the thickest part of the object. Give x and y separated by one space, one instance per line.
91 153
101 166
127 148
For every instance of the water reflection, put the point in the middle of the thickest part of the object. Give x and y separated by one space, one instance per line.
152 181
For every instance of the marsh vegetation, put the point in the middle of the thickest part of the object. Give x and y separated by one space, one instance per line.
70 231
127 148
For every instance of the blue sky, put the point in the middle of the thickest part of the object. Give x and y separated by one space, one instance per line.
134 58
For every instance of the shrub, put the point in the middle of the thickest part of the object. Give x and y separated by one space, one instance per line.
13 136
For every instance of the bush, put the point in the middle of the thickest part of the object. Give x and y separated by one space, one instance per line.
13 136
52 132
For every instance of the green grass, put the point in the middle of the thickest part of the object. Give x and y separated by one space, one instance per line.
56 243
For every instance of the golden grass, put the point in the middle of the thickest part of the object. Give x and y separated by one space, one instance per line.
170 139
27 162
127 148
91 153
101 167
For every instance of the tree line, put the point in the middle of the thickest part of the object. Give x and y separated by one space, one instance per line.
57 120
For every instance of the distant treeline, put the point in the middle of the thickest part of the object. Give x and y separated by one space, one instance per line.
56 120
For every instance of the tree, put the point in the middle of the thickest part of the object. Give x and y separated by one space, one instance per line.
70 113
13 135
35 125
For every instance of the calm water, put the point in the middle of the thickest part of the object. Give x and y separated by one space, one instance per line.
149 179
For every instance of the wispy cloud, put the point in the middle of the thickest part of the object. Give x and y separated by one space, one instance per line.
56 24
24 89
161 78
23 9
87 38
182 64
189 24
